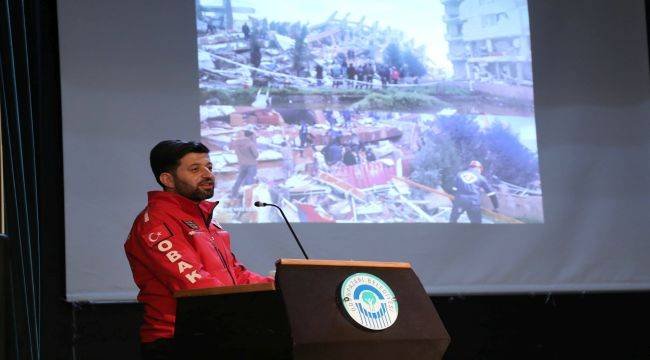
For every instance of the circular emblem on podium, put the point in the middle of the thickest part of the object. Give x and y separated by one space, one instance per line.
369 301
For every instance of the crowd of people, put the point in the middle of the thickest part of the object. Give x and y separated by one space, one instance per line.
338 150
346 69
349 152
358 75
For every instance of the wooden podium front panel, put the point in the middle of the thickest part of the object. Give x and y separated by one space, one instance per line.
232 323
322 330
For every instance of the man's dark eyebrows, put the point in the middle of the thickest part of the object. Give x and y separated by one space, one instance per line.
200 164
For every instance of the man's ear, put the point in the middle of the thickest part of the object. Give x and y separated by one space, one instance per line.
168 180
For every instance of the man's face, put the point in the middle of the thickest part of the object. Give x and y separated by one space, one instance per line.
193 178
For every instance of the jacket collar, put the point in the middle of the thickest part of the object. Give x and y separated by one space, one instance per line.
202 210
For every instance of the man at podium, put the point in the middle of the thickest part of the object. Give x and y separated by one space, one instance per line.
175 244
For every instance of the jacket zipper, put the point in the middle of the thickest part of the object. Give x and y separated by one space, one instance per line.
223 260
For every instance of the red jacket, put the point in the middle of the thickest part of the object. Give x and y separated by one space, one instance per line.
175 245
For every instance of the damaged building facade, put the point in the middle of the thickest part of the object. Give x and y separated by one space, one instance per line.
489 40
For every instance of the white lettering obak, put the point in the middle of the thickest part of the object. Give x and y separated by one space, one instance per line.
182 266
173 256
164 245
193 276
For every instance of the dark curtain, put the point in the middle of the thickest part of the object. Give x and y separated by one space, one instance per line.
36 315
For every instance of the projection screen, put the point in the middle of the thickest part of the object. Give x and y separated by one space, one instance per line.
370 119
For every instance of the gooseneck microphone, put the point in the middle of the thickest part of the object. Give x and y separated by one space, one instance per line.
263 204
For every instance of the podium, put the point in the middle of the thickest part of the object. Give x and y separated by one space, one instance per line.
303 315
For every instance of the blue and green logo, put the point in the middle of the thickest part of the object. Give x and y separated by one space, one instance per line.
369 301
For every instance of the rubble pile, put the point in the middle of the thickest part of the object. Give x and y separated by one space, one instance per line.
376 189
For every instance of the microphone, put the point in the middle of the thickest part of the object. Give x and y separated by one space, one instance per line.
263 204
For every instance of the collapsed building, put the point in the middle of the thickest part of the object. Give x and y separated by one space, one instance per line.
225 52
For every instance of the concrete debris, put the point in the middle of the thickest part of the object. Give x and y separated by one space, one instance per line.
285 43
326 187
215 111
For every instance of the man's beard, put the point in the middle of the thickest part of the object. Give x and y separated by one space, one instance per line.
194 193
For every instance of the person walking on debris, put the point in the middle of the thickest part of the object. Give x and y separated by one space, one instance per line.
287 159
319 74
318 163
347 118
329 116
304 136
246 30
246 150
467 194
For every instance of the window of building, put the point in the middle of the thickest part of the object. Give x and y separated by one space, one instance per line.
489 20
493 19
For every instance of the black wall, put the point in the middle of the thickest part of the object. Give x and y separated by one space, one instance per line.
591 326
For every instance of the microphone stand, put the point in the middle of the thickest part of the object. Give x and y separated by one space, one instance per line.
262 204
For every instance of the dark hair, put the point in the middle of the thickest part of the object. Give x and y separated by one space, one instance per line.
166 155
248 133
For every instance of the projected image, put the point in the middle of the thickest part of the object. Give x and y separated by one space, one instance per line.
370 111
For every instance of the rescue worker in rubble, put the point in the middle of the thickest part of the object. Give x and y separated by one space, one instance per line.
303 135
467 193
246 30
246 150
175 243
288 163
